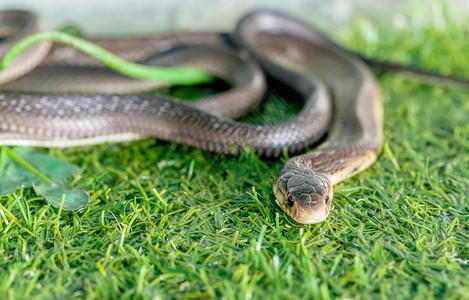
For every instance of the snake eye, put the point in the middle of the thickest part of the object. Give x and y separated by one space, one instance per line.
290 201
326 198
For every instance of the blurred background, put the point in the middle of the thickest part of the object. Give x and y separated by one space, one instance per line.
125 17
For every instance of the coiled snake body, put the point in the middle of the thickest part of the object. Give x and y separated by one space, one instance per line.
105 106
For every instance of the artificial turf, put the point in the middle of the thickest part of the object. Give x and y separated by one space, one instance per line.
171 221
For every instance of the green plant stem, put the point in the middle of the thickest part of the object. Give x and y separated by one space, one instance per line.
26 165
3 159
176 76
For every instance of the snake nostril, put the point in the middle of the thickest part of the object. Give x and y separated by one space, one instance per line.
290 201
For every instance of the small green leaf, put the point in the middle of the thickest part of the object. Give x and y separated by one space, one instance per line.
20 164
16 173
23 150
8 186
26 165
71 29
52 167
74 198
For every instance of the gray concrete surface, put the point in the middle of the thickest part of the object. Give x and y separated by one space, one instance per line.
115 17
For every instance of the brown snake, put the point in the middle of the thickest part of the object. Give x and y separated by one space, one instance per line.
104 106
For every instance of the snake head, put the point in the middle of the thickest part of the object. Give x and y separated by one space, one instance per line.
304 194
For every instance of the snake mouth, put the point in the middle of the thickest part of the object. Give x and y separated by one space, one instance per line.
314 219
304 215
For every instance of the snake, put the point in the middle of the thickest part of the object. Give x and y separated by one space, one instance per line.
54 96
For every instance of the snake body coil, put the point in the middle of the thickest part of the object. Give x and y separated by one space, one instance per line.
108 109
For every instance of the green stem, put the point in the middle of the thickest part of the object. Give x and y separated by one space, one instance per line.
183 76
3 159
26 165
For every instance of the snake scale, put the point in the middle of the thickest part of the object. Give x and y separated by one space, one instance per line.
55 96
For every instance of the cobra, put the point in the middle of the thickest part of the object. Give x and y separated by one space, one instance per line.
84 103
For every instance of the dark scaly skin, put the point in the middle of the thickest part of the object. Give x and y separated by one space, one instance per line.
304 186
289 50
15 25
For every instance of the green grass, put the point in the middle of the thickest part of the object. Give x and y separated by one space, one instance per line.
170 221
